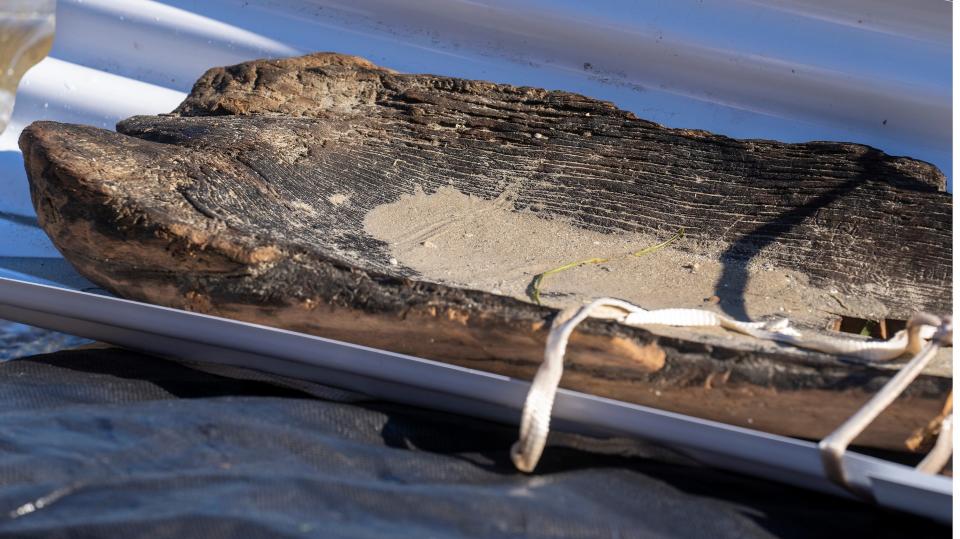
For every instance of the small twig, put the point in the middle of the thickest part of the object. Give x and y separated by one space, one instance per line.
733 224
924 437
533 290
840 302
661 245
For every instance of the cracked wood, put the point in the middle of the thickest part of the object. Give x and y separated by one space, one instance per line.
234 205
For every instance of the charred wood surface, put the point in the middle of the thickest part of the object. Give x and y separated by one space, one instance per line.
227 206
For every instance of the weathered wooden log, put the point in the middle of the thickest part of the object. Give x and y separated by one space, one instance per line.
327 195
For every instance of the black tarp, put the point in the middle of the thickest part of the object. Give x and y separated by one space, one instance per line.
111 443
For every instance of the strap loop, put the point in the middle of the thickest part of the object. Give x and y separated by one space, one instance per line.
535 421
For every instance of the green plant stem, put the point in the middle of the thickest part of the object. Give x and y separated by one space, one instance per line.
537 283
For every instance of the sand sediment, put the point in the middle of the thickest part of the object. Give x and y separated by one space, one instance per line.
454 238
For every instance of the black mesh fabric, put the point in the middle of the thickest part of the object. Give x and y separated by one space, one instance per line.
111 443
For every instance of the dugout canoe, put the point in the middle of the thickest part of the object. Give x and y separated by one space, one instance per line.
327 195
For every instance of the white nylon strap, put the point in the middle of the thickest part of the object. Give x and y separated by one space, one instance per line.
535 421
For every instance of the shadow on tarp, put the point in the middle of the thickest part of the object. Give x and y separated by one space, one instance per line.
158 447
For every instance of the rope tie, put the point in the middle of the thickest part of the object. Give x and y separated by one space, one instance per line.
535 421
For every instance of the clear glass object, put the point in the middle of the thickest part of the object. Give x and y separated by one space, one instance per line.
26 36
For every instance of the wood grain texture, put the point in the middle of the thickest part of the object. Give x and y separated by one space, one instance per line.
227 207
